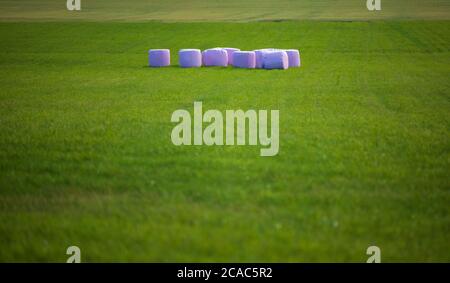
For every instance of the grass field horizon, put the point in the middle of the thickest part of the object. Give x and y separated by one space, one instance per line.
86 157
222 11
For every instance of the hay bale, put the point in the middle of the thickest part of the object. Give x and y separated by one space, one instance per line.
230 52
244 59
215 57
271 58
158 57
275 60
259 56
293 57
189 58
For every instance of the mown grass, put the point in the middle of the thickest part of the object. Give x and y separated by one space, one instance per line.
86 157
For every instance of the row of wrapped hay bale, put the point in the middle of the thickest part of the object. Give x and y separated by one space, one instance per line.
268 58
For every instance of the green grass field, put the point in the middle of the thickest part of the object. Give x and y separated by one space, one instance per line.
86 157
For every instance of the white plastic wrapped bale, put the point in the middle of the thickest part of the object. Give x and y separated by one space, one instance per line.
230 52
158 57
244 59
215 57
275 60
293 57
189 58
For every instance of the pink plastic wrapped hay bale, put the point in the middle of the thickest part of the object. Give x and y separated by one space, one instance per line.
215 57
230 52
259 56
189 58
244 59
275 60
158 57
293 57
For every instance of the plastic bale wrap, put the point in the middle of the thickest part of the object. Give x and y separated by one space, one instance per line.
230 52
275 60
189 58
244 59
293 57
259 56
158 57
215 57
